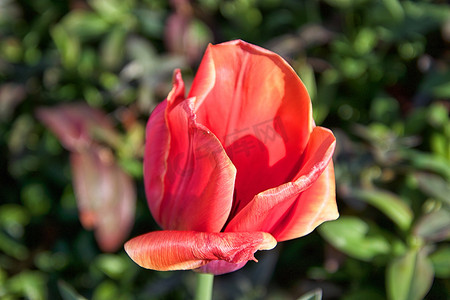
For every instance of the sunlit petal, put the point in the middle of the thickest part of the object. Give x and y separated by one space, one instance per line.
259 109
294 204
183 250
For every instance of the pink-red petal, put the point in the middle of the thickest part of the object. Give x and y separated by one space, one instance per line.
106 196
259 109
295 208
314 206
184 250
189 178
75 124
219 267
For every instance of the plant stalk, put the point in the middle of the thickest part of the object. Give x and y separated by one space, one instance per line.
204 286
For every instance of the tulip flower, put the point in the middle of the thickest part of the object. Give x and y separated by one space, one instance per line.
236 166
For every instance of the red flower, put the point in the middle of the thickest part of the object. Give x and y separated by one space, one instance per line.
236 166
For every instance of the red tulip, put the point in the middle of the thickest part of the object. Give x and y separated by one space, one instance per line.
235 167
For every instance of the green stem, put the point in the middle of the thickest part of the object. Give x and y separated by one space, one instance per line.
204 286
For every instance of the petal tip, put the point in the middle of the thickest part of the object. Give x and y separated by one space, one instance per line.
268 243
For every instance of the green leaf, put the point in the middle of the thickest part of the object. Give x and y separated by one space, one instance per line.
30 284
366 293
105 291
437 114
68 292
312 295
112 265
85 24
112 49
434 186
429 162
12 248
68 46
441 262
306 73
434 226
390 204
113 11
325 92
440 144
354 237
395 9
365 41
409 277
13 216
384 109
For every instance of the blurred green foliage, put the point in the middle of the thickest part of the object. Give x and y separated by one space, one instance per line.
378 74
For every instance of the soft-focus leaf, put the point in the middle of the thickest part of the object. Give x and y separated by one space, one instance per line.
441 261
29 284
423 10
384 109
68 46
10 96
112 265
36 199
395 9
106 196
434 226
112 49
409 277
426 161
68 292
77 125
306 74
12 247
111 10
353 236
105 291
313 295
85 24
50 261
365 40
12 215
440 144
390 204
326 91
434 186
436 83
366 294
437 114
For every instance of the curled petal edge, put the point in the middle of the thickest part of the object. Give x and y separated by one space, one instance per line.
179 151
183 250
268 209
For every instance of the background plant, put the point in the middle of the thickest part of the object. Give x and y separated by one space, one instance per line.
378 75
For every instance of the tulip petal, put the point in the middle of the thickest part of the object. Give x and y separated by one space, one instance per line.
294 209
306 215
189 178
258 108
184 250
219 267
